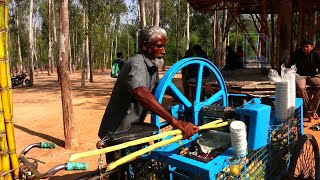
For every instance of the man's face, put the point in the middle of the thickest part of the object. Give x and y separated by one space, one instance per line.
307 49
156 48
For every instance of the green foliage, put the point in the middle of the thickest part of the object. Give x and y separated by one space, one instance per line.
108 20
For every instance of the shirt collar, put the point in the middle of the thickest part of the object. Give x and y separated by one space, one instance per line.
152 68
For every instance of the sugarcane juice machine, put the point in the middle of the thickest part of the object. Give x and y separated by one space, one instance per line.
256 113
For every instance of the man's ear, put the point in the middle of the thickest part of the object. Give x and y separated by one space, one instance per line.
144 46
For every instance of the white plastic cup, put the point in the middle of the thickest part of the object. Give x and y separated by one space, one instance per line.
238 136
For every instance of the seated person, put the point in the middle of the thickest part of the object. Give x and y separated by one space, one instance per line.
307 61
231 59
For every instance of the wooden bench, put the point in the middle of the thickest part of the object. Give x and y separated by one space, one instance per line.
237 87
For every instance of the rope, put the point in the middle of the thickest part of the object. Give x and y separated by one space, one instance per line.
5 3
5 29
12 152
4 152
5 173
3 134
4 90
9 121
3 59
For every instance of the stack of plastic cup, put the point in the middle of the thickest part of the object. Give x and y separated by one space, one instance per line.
281 100
238 135
291 93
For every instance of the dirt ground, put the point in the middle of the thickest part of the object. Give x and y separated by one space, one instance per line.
38 117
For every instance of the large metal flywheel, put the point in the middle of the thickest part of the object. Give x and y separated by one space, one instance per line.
198 101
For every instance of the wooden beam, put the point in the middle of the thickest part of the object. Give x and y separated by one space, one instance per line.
315 28
254 22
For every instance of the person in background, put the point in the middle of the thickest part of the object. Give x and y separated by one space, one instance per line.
307 61
240 56
186 73
231 59
132 96
119 60
199 52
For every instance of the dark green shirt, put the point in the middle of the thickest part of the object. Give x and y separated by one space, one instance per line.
306 65
122 109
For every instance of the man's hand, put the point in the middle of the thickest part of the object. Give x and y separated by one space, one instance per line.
147 100
188 129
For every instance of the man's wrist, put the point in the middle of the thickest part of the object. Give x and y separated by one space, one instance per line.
175 123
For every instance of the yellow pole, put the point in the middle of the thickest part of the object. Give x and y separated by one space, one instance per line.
6 125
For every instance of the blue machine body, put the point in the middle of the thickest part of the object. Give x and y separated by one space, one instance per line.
257 116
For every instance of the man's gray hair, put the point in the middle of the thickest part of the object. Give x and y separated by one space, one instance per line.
149 32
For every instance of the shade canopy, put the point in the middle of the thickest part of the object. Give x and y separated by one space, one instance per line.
250 6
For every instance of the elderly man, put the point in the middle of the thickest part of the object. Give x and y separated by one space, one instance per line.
307 61
131 98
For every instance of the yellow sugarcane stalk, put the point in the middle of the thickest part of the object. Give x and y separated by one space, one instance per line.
135 142
6 96
147 149
5 161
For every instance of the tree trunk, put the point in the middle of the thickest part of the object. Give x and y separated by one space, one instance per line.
91 61
74 58
35 47
223 40
236 38
142 14
87 50
188 27
157 12
84 58
177 31
90 21
66 96
31 69
128 36
56 47
106 55
216 39
49 39
70 55
20 67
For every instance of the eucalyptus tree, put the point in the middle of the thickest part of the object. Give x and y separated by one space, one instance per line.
17 25
49 39
30 57
67 107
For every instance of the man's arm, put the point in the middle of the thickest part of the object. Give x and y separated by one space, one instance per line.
147 100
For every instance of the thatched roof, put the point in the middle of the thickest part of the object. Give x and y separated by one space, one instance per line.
248 6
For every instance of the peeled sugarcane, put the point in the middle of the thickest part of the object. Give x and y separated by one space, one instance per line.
6 125
140 152
135 142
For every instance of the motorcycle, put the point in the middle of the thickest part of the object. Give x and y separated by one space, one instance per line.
20 79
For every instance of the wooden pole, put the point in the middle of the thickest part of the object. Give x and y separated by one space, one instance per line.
285 30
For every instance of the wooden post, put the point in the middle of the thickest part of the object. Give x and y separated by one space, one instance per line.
299 28
285 30
272 49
